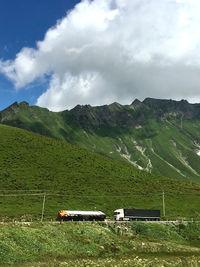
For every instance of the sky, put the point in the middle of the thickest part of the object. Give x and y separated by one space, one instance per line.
60 53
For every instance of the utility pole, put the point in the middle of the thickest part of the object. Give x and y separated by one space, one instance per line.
43 204
163 200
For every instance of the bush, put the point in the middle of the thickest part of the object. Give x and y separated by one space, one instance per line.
155 231
190 231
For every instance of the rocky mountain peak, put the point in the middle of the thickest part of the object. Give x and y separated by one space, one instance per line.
12 108
15 106
136 103
24 104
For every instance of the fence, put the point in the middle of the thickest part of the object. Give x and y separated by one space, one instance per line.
38 205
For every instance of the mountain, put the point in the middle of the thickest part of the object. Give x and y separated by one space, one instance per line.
75 178
159 136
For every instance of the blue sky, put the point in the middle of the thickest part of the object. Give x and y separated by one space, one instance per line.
99 52
22 23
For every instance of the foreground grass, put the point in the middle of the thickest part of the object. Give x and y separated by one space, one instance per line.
134 261
99 244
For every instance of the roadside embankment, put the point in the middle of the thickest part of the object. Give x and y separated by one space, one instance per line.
99 244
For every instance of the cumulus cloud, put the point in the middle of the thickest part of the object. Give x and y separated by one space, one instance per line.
115 50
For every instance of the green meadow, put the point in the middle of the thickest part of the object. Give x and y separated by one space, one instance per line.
75 178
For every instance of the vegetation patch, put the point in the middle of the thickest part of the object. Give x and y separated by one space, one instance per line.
77 179
87 244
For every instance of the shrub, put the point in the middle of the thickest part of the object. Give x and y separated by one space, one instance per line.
155 231
190 231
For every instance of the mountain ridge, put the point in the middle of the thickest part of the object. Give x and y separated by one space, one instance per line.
116 114
156 135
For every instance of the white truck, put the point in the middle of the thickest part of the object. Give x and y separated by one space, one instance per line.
136 215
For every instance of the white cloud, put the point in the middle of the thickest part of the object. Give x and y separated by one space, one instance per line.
115 50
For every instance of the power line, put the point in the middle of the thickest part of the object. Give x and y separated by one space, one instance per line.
125 195
17 195
19 190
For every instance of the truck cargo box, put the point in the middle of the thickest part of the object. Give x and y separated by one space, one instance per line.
141 213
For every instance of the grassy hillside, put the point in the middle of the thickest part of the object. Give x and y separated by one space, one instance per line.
75 178
92 244
158 136
160 147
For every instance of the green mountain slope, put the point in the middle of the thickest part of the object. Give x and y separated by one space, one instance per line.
75 178
159 136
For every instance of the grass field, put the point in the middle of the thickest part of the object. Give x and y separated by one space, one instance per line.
99 244
75 178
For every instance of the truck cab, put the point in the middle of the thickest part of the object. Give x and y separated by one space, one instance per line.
119 215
